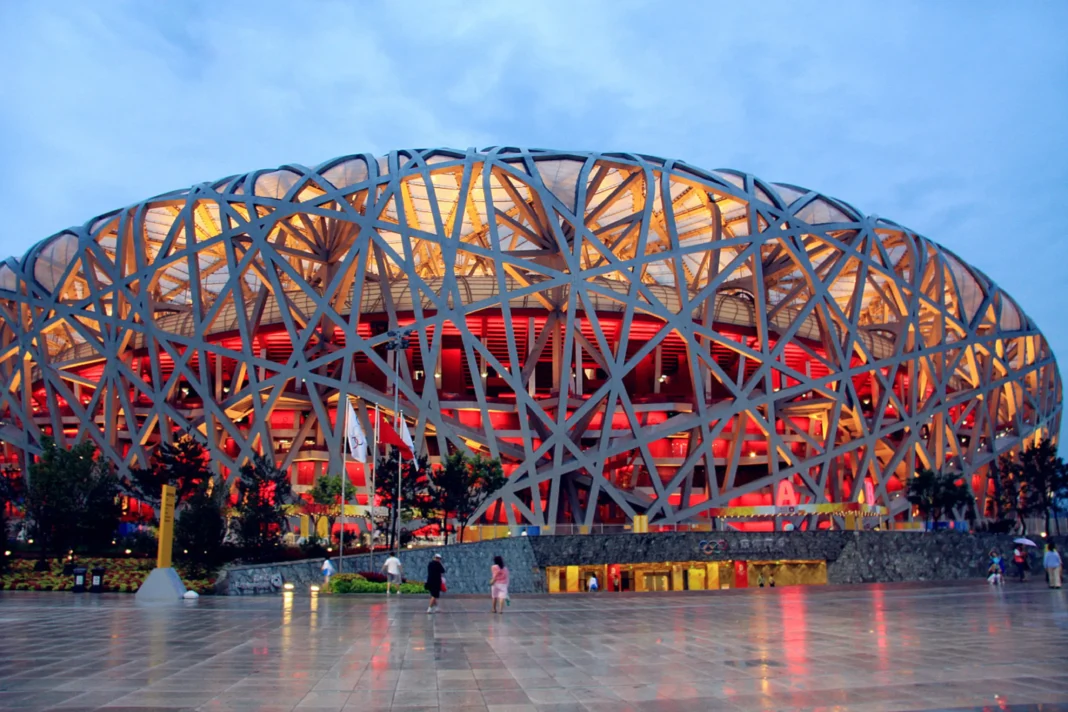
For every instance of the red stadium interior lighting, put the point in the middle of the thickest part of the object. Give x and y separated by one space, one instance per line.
629 335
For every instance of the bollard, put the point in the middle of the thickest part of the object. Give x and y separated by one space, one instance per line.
79 579
97 584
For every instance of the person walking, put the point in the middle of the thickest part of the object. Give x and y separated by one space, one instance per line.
995 569
499 584
435 582
592 585
1052 562
328 571
1018 559
393 569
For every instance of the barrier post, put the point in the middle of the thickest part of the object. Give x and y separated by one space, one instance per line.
166 528
163 583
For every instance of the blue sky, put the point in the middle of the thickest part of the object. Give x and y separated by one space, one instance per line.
946 117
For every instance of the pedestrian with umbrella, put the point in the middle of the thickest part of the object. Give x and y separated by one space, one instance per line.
1019 556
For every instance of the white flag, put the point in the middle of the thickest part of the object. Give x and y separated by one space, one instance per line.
354 432
406 437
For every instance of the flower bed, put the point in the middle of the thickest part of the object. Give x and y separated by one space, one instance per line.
121 575
356 583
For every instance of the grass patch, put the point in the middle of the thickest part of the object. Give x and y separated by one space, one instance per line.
355 583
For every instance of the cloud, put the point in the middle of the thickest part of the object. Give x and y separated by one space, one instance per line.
946 118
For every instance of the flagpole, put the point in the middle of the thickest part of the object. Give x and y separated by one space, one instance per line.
344 476
398 342
400 473
406 439
371 499
400 459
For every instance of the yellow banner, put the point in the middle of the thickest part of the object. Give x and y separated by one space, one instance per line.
166 528
856 508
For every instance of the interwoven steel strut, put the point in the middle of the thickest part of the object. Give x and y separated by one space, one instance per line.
628 334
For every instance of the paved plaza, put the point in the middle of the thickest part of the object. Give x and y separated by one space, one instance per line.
880 647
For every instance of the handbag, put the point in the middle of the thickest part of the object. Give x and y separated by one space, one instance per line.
444 588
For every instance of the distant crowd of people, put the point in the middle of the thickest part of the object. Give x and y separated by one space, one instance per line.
1021 561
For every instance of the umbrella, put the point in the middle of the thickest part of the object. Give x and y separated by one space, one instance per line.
1025 542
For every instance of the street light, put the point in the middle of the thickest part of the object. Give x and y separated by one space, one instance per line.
398 342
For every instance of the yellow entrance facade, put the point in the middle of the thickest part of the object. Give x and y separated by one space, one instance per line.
684 576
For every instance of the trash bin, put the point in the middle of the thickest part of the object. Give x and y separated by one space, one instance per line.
97 583
79 579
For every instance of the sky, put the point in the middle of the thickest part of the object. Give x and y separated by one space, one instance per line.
946 117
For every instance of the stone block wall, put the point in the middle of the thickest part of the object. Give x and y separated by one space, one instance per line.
852 557
687 546
467 569
870 557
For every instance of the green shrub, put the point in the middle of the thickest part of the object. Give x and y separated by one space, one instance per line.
314 548
141 543
354 583
262 492
199 530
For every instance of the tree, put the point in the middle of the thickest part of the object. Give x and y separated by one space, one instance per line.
415 474
325 496
101 509
462 485
1032 482
1045 477
70 498
957 499
444 483
200 528
487 478
11 487
262 491
938 495
184 465
1008 493
922 492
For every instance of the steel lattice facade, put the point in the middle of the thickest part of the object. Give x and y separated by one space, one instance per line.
628 334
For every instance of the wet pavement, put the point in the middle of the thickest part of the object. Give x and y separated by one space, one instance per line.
893 647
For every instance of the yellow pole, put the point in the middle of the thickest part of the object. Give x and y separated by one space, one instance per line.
166 528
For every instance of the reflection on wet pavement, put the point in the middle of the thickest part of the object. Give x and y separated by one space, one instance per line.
900 647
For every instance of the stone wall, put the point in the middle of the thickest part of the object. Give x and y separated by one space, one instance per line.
925 556
687 546
852 557
467 569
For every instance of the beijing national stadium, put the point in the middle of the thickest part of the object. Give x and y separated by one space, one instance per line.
636 339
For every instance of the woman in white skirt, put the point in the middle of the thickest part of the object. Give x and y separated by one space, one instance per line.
499 584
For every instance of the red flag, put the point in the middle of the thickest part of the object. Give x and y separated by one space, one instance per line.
388 435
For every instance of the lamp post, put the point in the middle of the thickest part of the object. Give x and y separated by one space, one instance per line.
398 343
